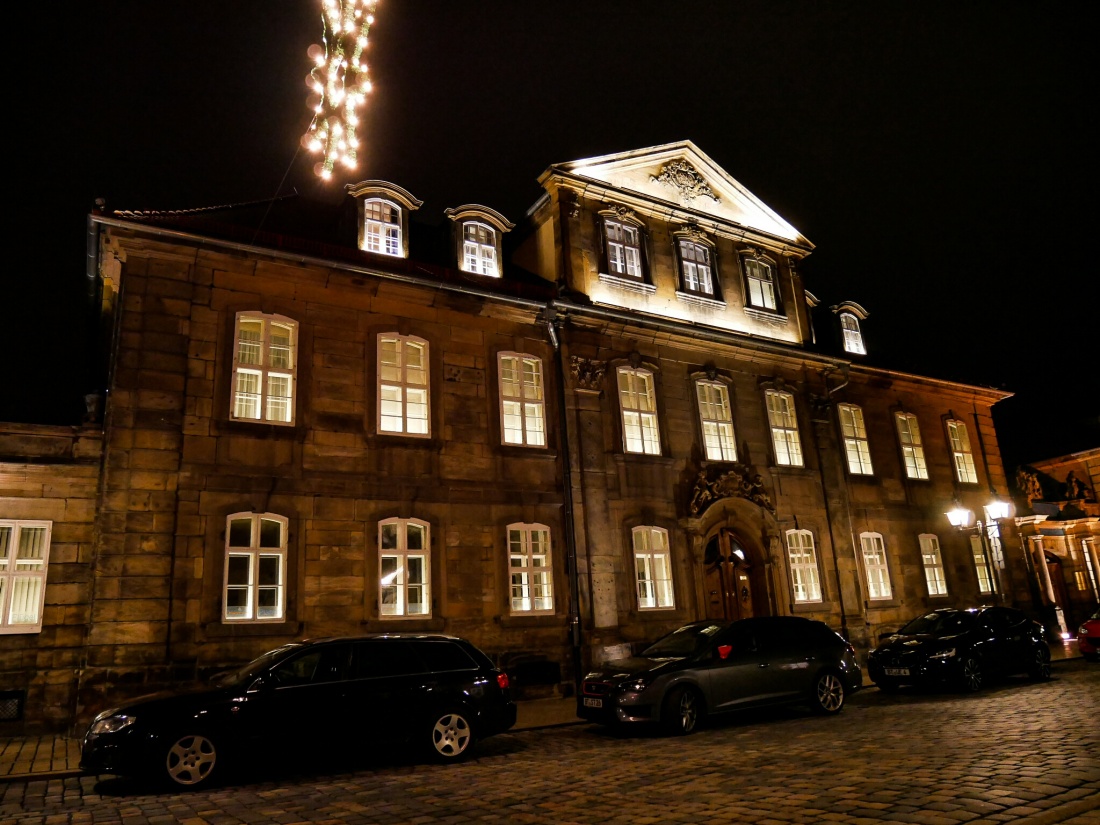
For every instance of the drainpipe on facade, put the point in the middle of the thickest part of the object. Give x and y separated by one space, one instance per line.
828 511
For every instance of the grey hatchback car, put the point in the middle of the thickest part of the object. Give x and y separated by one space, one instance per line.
708 668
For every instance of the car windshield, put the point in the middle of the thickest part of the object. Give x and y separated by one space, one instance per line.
246 673
685 641
939 624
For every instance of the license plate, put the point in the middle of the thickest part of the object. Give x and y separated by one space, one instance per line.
592 703
896 671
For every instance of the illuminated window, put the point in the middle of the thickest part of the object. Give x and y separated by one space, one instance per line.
716 420
856 447
960 449
404 561
255 568
784 426
532 575
874 565
853 338
639 410
522 407
479 248
382 227
403 385
264 368
24 556
912 451
933 564
803 562
695 268
653 568
624 250
760 281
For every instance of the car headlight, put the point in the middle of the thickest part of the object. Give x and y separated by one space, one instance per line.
944 654
1082 631
635 685
113 723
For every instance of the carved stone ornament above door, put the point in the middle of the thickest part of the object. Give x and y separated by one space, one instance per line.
739 481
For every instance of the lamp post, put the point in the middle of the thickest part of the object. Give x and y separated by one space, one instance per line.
960 518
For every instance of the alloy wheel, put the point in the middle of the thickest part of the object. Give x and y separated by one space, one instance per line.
451 735
191 759
971 674
830 693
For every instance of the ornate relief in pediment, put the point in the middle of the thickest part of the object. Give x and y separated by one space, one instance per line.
683 177
740 481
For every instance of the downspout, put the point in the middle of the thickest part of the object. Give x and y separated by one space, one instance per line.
828 512
994 574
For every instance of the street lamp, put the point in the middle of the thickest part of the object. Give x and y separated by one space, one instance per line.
960 518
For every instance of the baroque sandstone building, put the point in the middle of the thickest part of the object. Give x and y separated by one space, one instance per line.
557 438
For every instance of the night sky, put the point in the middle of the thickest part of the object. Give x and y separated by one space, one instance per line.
935 154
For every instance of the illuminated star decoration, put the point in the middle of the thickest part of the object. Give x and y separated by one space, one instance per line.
339 83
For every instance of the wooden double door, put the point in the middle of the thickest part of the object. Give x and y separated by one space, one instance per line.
728 578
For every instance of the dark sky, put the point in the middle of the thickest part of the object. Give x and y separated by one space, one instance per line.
935 153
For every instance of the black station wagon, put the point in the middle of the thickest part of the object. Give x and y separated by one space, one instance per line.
344 695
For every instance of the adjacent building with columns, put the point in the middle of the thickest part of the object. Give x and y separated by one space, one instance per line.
559 436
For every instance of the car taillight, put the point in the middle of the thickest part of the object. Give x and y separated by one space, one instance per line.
502 680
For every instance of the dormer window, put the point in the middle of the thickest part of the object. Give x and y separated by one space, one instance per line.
383 217
760 288
478 234
851 337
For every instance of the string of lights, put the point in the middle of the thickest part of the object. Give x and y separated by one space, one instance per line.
339 83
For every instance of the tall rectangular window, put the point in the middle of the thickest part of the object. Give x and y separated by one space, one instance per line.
761 284
983 566
784 426
912 451
382 230
479 249
960 450
264 369
716 420
853 338
856 447
24 556
639 410
802 556
404 561
255 568
522 408
532 575
403 385
624 251
875 566
933 564
696 268
653 568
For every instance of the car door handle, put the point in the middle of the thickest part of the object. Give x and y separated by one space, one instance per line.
764 664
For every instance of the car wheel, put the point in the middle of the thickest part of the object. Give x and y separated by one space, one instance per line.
971 674
190 760
1040 664
681 711
451 735
828 695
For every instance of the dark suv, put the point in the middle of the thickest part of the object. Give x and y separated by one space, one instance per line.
712 667
340 695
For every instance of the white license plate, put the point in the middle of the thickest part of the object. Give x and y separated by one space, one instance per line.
592 703
896 671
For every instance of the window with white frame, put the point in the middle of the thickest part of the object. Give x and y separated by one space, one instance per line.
856 447
760 281
264 368
479 248
960 449
624 249
802 557
255 568
932 560
853 338
783 421
403 385
24 556
912 451
382 227
716 420
653 568
532 575
522 406
695 266
875 566
404 561
983 566
639 408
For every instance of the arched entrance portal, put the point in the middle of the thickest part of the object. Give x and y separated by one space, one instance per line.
728 578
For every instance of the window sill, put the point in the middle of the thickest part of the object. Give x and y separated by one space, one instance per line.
403 624
522 620
701 300
807 607
767 315
226 630
628 284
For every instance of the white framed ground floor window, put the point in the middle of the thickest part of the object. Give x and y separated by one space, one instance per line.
24 556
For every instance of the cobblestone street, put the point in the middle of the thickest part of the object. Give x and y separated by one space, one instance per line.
1016 752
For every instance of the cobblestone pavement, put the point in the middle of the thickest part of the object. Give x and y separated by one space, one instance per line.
1021 752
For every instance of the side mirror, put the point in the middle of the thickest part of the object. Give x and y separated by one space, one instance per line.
724 651
262 683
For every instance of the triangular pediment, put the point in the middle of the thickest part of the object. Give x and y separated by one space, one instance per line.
682 175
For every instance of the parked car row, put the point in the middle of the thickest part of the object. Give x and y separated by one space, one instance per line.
440 694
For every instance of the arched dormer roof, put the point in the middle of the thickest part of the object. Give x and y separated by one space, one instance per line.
850 306
477 212
368 188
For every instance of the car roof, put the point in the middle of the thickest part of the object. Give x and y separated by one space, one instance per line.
433 637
